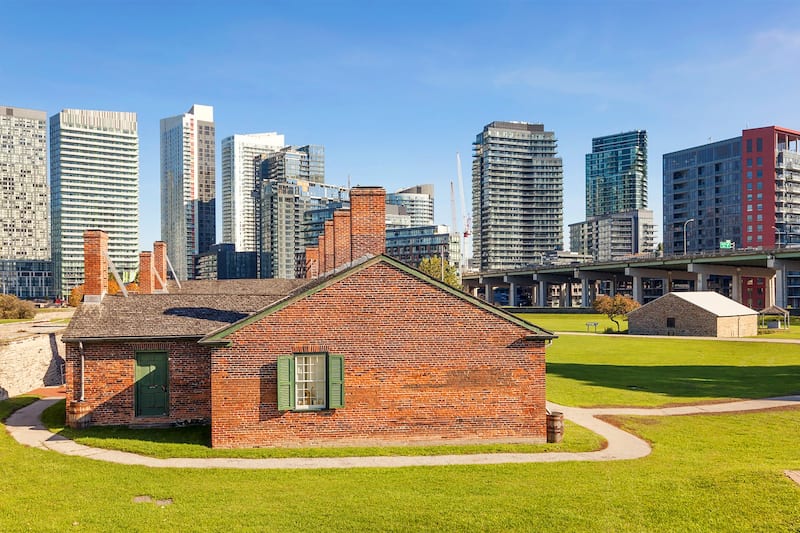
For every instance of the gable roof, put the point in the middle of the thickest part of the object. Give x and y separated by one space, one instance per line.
199 308
711 301
331 278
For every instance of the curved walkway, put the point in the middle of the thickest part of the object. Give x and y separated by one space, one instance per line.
26 427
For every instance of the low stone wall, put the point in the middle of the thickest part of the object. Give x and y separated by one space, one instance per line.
30 363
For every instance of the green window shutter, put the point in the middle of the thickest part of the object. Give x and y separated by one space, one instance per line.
335 381
285 383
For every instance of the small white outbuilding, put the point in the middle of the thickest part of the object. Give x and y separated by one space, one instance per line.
700 314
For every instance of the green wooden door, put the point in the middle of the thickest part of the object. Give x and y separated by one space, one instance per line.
151 384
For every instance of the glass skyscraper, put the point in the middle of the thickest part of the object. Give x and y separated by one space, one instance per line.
703 185
616 173
94 180
517 195
617 225
188 186
291 181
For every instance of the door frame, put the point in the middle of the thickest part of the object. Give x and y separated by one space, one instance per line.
136 400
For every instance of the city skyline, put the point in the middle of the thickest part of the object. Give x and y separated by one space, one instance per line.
366 82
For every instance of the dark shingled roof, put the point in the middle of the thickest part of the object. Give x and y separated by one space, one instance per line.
195 310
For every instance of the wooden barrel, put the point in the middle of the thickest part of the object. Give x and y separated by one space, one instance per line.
79 415
555 426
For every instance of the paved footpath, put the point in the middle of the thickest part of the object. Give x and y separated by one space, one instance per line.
26 427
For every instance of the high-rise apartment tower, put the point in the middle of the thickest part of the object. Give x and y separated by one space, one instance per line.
94 179
25 268
239 186
517 195
188 186
418 201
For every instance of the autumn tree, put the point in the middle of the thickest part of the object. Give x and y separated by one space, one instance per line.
447 273
13 307
618 306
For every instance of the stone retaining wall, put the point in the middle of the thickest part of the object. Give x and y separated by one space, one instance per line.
30 363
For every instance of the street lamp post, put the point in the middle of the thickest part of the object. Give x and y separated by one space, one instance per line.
778 233
684 234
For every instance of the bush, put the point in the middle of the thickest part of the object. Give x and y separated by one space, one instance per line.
13 307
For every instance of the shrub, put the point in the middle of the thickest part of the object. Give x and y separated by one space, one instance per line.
13 307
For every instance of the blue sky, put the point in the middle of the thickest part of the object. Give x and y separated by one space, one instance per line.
394 89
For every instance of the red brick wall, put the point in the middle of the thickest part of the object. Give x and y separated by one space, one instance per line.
110 374
341 232
95 263
160 262
146 278
420 365
367 221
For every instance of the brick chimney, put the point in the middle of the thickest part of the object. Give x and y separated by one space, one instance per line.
312 262
321 247
160 264
341 237
367 221
146 277
95 265
329 244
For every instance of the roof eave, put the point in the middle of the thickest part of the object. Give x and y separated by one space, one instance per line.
129 339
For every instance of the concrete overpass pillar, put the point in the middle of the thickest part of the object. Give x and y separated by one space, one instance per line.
512 294
586 297
736 285
488 292
542 294
637 289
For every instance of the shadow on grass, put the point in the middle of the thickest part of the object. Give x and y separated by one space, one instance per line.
687 381
54 419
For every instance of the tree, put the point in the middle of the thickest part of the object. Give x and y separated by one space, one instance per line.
13 307
447 273
618 306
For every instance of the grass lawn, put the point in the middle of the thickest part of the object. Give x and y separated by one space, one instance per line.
572 322
616 370
706 473
193 442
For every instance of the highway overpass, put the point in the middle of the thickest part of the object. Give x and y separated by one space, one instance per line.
758 278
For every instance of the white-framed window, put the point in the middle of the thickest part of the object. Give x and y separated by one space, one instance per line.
310 382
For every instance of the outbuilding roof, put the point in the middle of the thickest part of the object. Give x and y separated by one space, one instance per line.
193 310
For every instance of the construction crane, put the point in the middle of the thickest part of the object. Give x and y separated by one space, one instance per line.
454 227
467 217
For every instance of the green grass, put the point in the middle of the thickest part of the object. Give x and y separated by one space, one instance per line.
10 405
571 322
13 320
706 473
193 442
635 371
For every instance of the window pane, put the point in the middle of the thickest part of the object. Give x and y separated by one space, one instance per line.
309 381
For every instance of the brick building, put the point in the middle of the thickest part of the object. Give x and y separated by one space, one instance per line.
370 351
